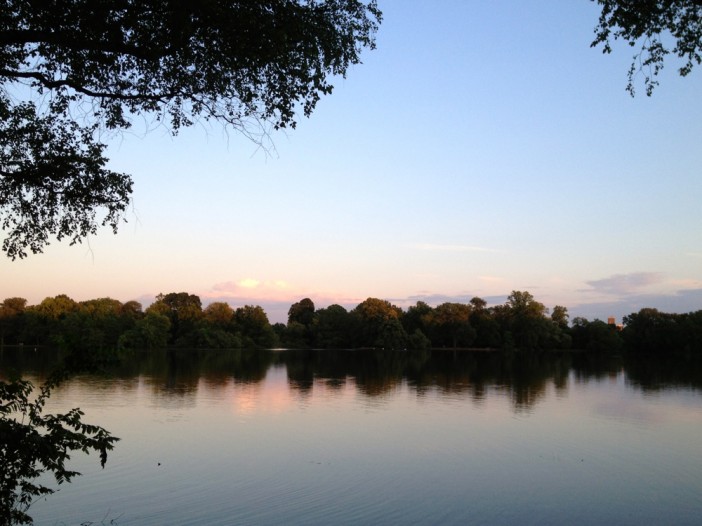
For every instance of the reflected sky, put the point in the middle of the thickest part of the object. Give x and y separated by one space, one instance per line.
352 438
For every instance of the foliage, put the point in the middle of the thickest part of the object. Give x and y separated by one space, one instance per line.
183 310
416 317
335 328
301 323
252 323
650 331
96 327
374 317
73 70
302 312
219 314
149 332
53 179
33 443
11 311
449 325
650 24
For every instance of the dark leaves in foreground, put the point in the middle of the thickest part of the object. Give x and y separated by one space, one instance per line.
33 443
74 70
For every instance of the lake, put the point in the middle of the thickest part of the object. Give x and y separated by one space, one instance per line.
375 437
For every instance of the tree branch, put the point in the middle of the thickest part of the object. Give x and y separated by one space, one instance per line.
54 84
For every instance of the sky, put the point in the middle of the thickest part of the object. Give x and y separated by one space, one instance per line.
482 148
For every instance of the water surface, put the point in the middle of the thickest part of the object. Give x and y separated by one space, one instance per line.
252 437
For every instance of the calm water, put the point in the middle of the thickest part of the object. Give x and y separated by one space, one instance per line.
383 438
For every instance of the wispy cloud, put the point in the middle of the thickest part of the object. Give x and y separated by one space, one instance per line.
624 284
452 248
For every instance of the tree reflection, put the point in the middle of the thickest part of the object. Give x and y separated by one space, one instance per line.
525 377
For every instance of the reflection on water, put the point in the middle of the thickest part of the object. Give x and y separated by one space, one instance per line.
178 374
343 437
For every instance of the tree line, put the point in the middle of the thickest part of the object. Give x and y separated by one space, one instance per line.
179 319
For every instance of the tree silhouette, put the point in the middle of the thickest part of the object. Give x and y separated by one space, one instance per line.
71 70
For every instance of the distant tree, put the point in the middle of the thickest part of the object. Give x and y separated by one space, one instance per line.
579 332
302 312
522 303
478 304
11 310
418 341
301 319
450 326
12 306
43 322
102 307
487 329
58 307
526 325
651 331
415 318
73 69
391 335
372 316
219 314
650 25
603 338
132 309
182 309
150 332
295 335
560 316
96 324
334 328
252 323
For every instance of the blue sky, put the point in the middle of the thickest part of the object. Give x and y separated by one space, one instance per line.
483 147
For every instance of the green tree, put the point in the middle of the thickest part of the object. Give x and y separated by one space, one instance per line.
527 326
603 338
219 314
302 312
33 444
579 332
44 322
559 315
450 325
252 322
651 331
11 311
392 335
87 66
57 308
478 304
487 329
183 310
301 318
652 26
96 324
335 328
150 332
522 303
373 315
132 309
416 317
